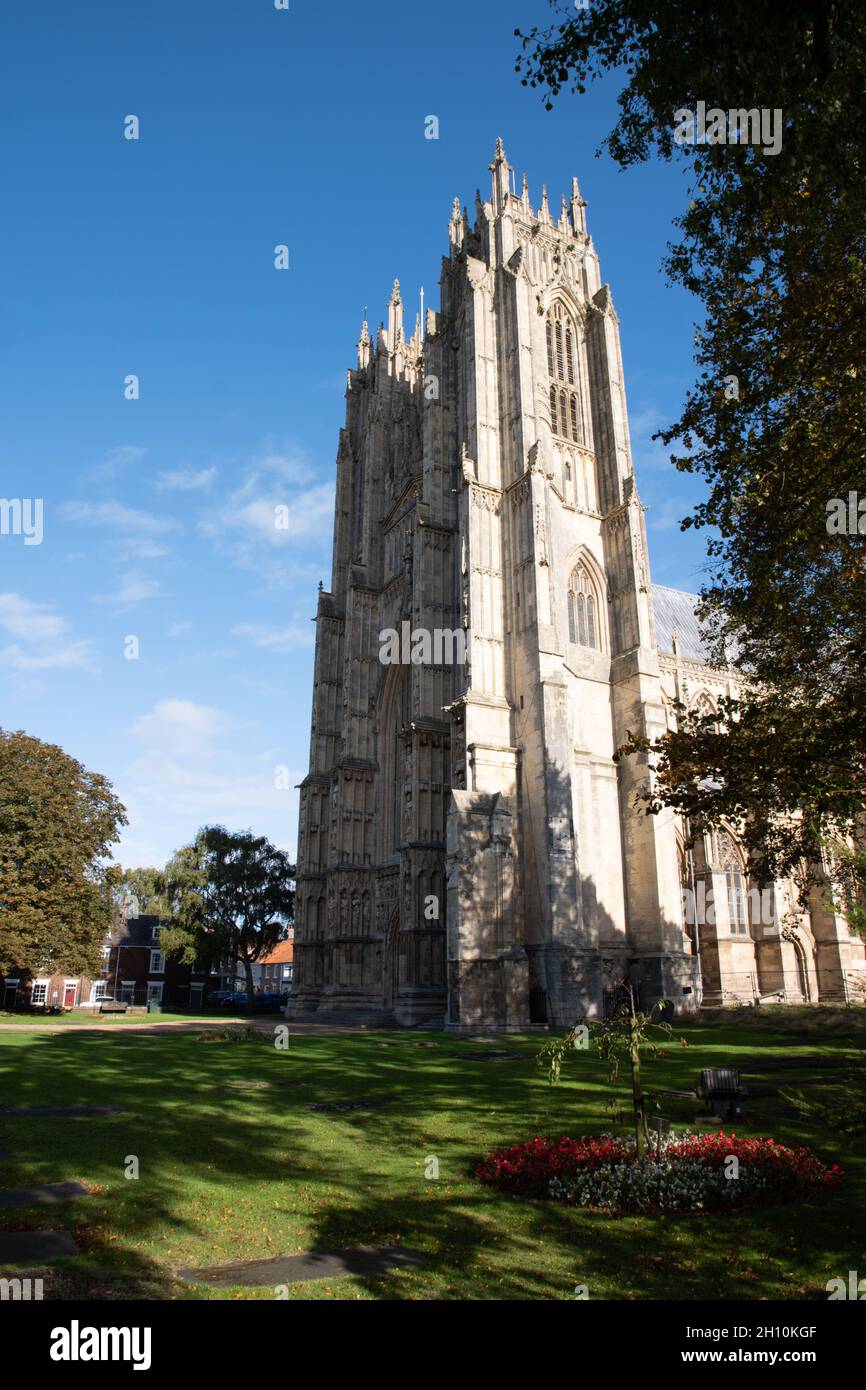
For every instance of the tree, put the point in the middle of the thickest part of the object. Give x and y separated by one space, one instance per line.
773 246
142 885
227 897
626 1035
57 821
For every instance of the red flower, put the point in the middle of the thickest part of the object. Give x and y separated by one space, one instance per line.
526 1169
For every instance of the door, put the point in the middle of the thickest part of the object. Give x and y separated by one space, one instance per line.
69 992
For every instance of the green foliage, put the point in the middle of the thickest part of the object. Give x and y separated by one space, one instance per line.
848 873
140 884
774 247
227 897
57 822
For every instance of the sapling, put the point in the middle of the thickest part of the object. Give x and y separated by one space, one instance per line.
626 1034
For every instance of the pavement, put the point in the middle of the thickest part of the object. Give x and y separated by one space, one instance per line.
322 1030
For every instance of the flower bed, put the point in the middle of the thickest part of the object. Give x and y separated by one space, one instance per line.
689 1172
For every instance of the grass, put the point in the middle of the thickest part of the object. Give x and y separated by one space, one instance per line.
79 1016
229 1173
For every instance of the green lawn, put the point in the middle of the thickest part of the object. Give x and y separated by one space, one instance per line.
80 1016
229 1173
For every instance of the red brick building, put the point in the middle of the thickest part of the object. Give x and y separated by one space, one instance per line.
274 972
137 971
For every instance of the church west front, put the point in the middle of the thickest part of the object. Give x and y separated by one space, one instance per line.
469 851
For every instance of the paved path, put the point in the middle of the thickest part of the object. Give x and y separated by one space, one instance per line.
312 1264
184 1026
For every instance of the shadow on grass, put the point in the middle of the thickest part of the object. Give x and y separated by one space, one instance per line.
231 1173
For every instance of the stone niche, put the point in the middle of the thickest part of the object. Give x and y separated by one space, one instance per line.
488 972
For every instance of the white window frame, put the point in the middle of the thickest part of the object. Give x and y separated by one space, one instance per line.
95 987
159 968
154 990
43 985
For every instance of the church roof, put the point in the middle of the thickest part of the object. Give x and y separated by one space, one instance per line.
675 612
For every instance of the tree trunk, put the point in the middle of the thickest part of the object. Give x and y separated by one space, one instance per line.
637 1099
248 971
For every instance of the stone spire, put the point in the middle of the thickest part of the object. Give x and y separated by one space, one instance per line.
501 171
578 209
395 319
364 346
456 227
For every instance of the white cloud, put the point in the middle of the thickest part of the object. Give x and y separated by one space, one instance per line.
117 461
22 618
279 506
276 638
186 480
179 629
196 766
176 726
16 658
140 548
135 587
41 643
118 517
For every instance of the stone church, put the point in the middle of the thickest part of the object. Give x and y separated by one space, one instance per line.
469 853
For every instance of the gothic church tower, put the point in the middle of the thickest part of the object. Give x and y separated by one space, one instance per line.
468 850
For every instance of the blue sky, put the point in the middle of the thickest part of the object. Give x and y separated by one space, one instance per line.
155 257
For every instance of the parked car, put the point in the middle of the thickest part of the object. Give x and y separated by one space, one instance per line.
221 997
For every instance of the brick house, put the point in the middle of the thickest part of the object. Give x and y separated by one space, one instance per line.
138 971
273 974
45 989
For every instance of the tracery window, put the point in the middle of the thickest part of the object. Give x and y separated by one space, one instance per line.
566 405
583 615
735 883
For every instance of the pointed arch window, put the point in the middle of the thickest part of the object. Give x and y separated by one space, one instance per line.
583 616
735 883
566 406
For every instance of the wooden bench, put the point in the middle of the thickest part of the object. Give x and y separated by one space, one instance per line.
721 1090
718 1087
111 1008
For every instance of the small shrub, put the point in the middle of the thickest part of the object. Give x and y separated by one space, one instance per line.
221 1035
